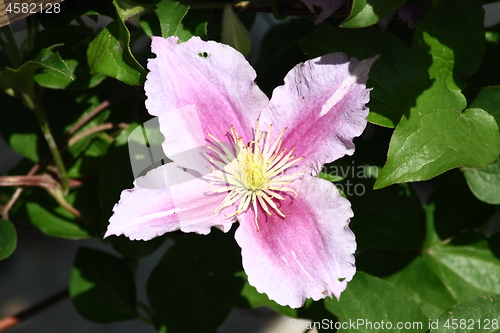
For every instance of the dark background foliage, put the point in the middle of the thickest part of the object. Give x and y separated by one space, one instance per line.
424 181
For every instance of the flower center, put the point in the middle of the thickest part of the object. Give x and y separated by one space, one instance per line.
254 175
251 173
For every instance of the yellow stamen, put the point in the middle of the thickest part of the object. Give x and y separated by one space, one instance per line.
253 174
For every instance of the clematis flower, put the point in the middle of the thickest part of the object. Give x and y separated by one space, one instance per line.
238 156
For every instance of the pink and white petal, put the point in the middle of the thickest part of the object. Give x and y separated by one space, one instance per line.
322 106
212 81
185 145
166 199
308 254
328 7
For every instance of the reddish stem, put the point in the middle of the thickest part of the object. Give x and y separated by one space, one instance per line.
45 181
5 209
95 129
14 320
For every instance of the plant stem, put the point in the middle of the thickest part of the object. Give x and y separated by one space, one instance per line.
432 237
88 117
44 181
64 204
73 130
48 183
39 112
17 193
100 108
14 320
96 129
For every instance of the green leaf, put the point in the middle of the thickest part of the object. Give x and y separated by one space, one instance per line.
195 24
368 12
109 53
150 24
21 79
370 299
446 274
8 238
330 177
85 165
176 20
480 314
56 80
25 144
397 77
127 9
53 61
485 182
196 284
450 41
59 223
253 299
102 287
170 13
234 33
20 129
73 40
88 154
53 220
466 271
437 136
425 287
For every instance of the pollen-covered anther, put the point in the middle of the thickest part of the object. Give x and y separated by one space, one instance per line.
252 173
